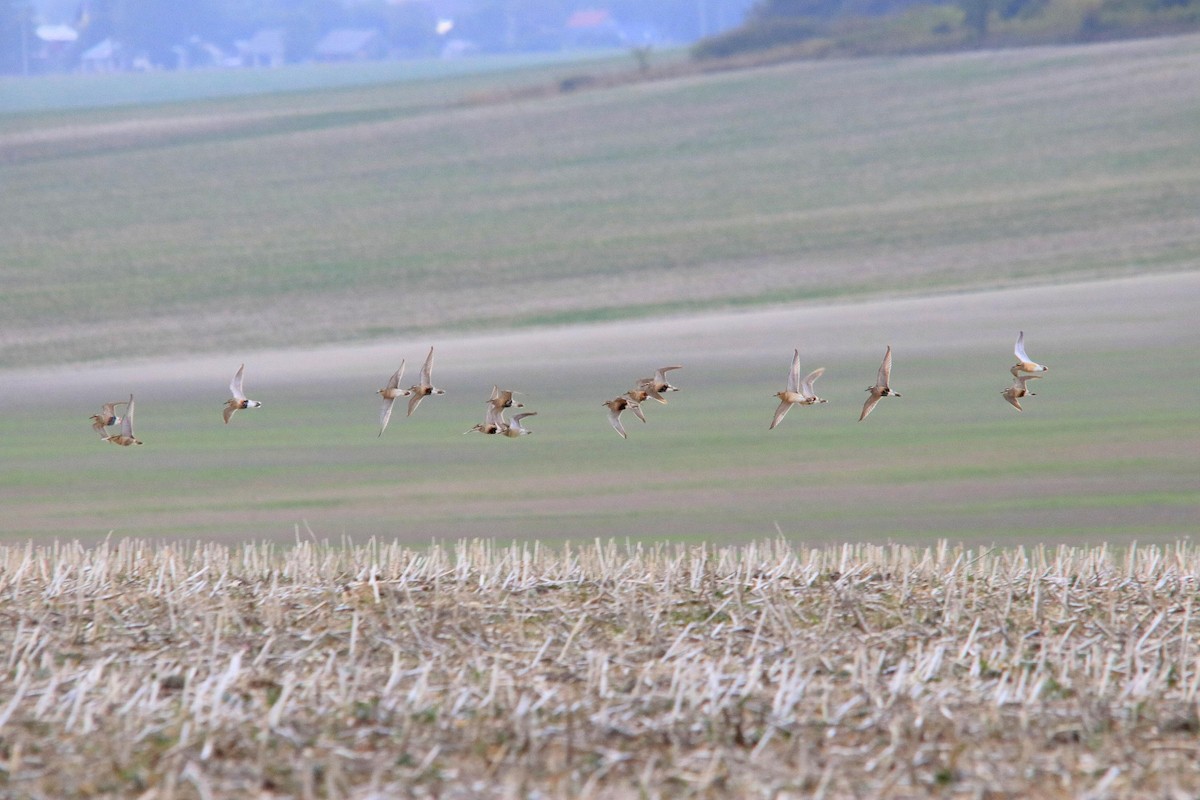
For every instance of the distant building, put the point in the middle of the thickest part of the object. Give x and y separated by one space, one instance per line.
593 27
55 43
56 34
266 48
458 48
103 56
350 44
196 53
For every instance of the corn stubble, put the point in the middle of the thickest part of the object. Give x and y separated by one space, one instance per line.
479 670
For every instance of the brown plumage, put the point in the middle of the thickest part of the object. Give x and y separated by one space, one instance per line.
654 387
503 398
389 394
425 387
615 407
107 416
1024 362
638 396
1014 393
514 429
799 392
238 401
881 388
493 422
125 438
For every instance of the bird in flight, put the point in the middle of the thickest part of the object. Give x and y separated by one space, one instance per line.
881 387
125 438
799 392
1014 393
655 386
238 401
389 394
514 429
107 416
503 398
615 407
420 391
493 422
1024 362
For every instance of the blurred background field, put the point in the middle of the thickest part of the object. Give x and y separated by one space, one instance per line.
119 91
1108 450
568 243
376 212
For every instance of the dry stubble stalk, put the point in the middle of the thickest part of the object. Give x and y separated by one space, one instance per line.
481 670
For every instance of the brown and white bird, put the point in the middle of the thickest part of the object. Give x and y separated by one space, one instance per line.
125 438
503 398
389 394
238 401
799 392
1024 362
615 407
493 422
881 388
1014 393
656 386
107 416
514 428
638 396
420 391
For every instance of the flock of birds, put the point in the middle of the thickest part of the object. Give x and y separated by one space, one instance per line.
1014 393
799 392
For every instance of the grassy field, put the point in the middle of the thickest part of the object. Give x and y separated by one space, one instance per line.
1109 449
179 628
170 243
604 671
71 92
403 208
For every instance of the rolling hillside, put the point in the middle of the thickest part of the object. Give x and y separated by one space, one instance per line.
372 212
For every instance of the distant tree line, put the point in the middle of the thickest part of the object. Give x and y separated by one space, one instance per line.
865 27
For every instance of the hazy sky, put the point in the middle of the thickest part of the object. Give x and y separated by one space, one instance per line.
57 11
65 11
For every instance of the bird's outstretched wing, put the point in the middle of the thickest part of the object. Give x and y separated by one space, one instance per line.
885 369
235 385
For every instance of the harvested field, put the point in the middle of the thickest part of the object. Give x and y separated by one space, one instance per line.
657 670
